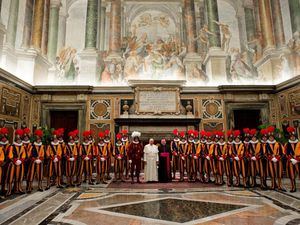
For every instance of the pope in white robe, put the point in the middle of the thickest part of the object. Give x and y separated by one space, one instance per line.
151 160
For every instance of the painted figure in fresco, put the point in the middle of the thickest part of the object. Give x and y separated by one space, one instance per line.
197 73
256 45
67 63
226 35
238 68
294 46
203 36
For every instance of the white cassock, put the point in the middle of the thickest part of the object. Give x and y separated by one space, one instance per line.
151 158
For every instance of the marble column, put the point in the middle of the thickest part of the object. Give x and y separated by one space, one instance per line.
37 26
27 24
102 28
91 25
250 25
62 27
115 28
45 27
213 15
266 24
278 23
12 23
294 6
257 17
53 29
190 25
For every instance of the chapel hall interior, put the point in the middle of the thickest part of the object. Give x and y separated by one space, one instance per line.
150 66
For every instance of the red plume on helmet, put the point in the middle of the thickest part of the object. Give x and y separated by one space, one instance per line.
271 129
219 133
191 132
291 130
4 131
86 133
236 133
229 133
182 134
264 132
38 133
124 132
55 132
71 134
119 136
76 132
196 133
101 134
107 132
26 131
19 132
246 131
253 132
175 132
209 134
203 133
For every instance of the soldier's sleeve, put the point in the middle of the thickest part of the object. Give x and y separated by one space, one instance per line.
297 150
1 155
10 152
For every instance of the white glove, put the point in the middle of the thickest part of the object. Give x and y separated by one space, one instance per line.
71 159
55 160
86 158
236 158
119 157
195 157
253 158
207 157
182 158
102 159
274 160
130 161
18 162
294 161
37 161
221 159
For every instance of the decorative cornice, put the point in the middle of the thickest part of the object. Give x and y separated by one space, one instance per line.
12 80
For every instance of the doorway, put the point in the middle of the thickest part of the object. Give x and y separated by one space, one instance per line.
246 118
65 119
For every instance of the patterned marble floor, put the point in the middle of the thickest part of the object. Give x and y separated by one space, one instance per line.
111 205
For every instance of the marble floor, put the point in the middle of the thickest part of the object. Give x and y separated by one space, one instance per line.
157 204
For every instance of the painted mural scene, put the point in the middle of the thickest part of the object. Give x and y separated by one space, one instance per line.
147 112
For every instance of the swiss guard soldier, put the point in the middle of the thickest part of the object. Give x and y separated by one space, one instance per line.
238 156
208 154
27 145
36 157
182 154
86 162
275 154
246 159
191 151
220 155
125 142
119 155
200 150
54 154
254 149
175 152
17 156
100 153
292 149
135 153
263 159
109 147
62 143
197 155
4 145
229 159
71 152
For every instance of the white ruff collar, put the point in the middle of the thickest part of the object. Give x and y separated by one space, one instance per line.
196 142
101 145
246 142
253 142
203 142
17 144
26 142
86 143
106 141
293 142
263 142
4 143
176 139
271 142
191 141
124 140
61 141
230 142
77 141
209 143
117 144
135 142
219 143
182 142
38 144
237 143
55 143
71 144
